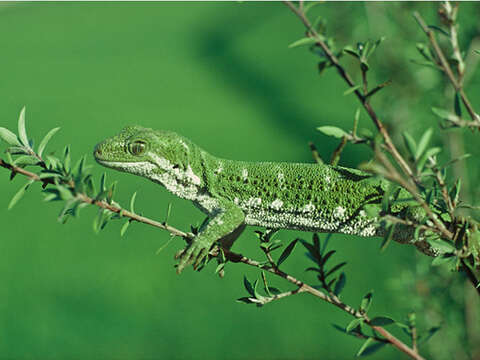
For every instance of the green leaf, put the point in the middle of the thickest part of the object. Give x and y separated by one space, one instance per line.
381 321
303 41
410 144
428 153
432 331
66 159
370 349
340 284
335 268
364 346
444 114
124 228
446 259
19 194
286 253
352 89
353 324
442 246
25 160
248 286
64 192
477 51
457 105
460 158
22 133
366 302
132 203
9 137
103 180
332 131
45 140
388 237
439 29
17 150
351 51
422 144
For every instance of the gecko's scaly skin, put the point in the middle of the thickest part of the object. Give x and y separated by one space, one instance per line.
309 197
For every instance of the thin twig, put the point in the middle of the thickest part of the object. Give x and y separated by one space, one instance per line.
442 61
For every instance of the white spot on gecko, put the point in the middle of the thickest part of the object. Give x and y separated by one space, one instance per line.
339 212
276 204
309 208
244 174
281 177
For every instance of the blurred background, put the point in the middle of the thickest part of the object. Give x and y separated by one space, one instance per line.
222 75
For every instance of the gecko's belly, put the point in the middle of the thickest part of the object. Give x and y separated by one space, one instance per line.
312 221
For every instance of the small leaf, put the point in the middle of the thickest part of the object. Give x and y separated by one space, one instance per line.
17 150
439 29
45 140
432 331
103 181
22 133
332 131
366 302
124 228
381 321
340 284
286 253
352 89
350 51
442 246
444 114
388 237
457 105
248 286
335 268
364 346
19 194
132 202
9 137
353 324
25 160
477 51
66 159
64 192
410 144
373 348
422 144
303 41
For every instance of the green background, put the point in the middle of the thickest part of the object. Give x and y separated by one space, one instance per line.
222 75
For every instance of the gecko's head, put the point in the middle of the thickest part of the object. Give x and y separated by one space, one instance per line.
142 151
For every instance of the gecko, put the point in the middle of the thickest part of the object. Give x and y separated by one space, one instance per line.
276 195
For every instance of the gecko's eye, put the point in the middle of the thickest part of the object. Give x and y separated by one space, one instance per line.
137 147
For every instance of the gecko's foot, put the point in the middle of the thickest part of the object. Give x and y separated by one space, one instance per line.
195 254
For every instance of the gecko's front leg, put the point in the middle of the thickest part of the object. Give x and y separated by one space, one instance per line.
228 218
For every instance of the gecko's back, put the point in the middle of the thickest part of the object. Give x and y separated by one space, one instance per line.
306 197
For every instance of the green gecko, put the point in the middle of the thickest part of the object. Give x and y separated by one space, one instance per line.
300 196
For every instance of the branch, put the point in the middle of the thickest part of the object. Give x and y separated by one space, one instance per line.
233 257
